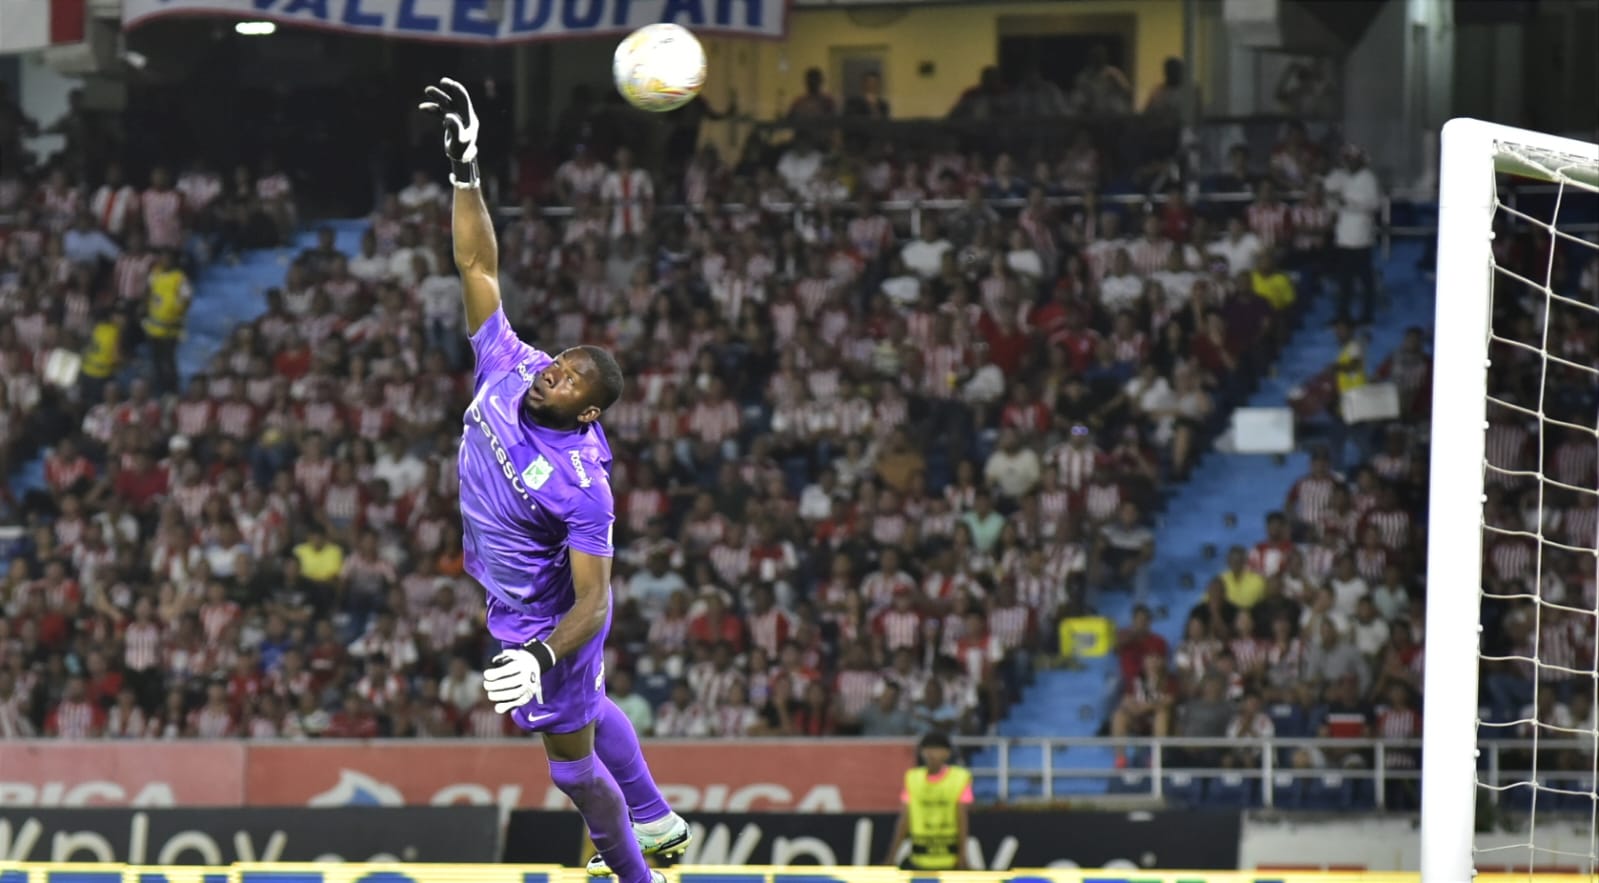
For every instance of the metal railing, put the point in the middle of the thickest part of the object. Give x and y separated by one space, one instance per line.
1382 762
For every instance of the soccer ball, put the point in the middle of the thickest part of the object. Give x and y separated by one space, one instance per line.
659 67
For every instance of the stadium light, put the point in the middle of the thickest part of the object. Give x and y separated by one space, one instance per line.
255 28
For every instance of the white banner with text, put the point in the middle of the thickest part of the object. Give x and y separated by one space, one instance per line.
482 21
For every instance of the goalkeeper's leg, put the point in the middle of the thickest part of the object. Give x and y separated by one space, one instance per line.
659 830
587 782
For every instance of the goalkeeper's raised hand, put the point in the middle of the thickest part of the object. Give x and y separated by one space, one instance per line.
451 102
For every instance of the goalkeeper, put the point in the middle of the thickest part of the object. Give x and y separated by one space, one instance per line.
537 515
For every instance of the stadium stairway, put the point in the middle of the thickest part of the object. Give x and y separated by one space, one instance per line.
225 295
1192 536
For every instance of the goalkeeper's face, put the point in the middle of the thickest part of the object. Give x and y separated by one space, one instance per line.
563 394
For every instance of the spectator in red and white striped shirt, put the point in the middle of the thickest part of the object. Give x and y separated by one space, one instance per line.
1399 720
882 585
1269 218
1310 497
162 210
715 419
75 717
900 625
115 204
66 469
1076 460
714 678
857 681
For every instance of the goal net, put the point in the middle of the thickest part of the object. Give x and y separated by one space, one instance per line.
1510 730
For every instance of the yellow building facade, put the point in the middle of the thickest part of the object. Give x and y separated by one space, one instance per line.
930 54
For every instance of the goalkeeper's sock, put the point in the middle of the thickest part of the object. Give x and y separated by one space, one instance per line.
599 801
617 745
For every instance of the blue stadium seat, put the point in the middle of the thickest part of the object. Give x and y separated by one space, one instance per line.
1185 789
1521 797
1362 794
1328 792
1577 803
1287 792
1230 790
1130 783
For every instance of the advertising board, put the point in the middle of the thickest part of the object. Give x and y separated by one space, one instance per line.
769 775
222 836
393 873
797 776
1354 843
70 774
1000 839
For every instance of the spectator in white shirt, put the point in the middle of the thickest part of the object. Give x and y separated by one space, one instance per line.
1347 585
1369 631
925 256
440 294
402 264
420 196
1240 248
402 470
461 686
799 164
87 244
1013 469
1121 288
1353 191
816 501
369 266
650 588
1177 279
579 176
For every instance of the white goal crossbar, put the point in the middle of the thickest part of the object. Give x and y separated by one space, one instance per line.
1473 153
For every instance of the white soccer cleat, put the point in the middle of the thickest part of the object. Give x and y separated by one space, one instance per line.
667 844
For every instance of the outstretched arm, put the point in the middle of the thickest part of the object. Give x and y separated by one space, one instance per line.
477 253
477 256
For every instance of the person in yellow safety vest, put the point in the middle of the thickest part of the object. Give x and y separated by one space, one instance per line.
102 357
1349 372
166 309
1350 368
937 798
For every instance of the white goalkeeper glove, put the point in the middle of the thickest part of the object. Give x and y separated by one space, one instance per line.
451 102
517 676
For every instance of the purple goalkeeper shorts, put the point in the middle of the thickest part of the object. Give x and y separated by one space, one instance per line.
572 691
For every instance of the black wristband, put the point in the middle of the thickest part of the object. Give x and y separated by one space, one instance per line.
463 174
540 652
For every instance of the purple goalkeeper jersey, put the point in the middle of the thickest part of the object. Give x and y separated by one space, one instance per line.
528 493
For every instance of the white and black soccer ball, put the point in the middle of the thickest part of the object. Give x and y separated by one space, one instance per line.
659 67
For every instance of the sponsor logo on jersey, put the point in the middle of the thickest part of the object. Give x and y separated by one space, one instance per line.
503 458
582 474
537 473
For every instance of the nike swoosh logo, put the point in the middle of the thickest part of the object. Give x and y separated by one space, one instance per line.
494 402
535 718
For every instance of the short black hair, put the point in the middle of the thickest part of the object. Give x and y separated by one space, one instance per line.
608 382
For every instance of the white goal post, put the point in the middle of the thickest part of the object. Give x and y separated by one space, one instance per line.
1474 154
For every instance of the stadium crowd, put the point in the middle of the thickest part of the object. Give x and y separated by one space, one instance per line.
865 465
